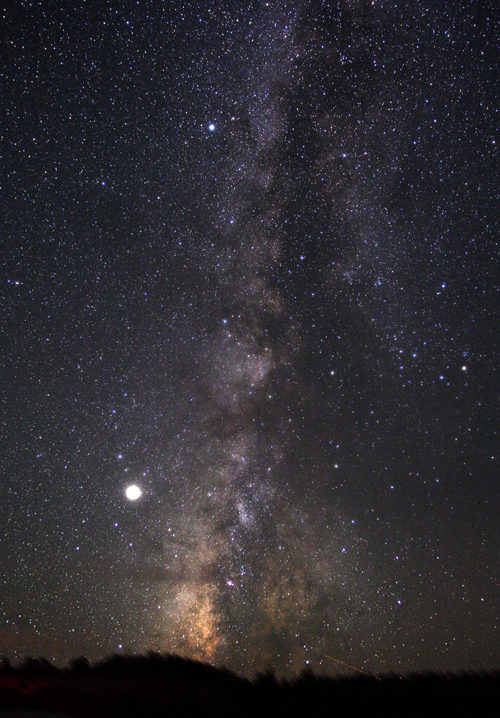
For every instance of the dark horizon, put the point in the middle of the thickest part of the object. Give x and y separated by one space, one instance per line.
31 668
158 685
249 333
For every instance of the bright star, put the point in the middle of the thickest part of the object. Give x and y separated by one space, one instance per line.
133 492
211 127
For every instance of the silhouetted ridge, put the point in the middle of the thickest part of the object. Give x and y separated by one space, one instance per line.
168 685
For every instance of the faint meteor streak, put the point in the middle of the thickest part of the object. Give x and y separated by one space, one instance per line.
353 667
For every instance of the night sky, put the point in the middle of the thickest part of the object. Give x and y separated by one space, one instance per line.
250 264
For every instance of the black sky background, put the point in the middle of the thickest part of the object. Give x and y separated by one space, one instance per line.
250 264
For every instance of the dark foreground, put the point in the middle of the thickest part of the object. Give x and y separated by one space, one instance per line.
152 686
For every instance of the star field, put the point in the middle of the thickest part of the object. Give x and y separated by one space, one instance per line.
249 311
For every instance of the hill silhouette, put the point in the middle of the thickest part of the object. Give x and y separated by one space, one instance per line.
170 686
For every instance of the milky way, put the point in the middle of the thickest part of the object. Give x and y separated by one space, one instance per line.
258 577
250 268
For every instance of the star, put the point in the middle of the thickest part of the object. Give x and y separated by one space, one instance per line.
133 492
